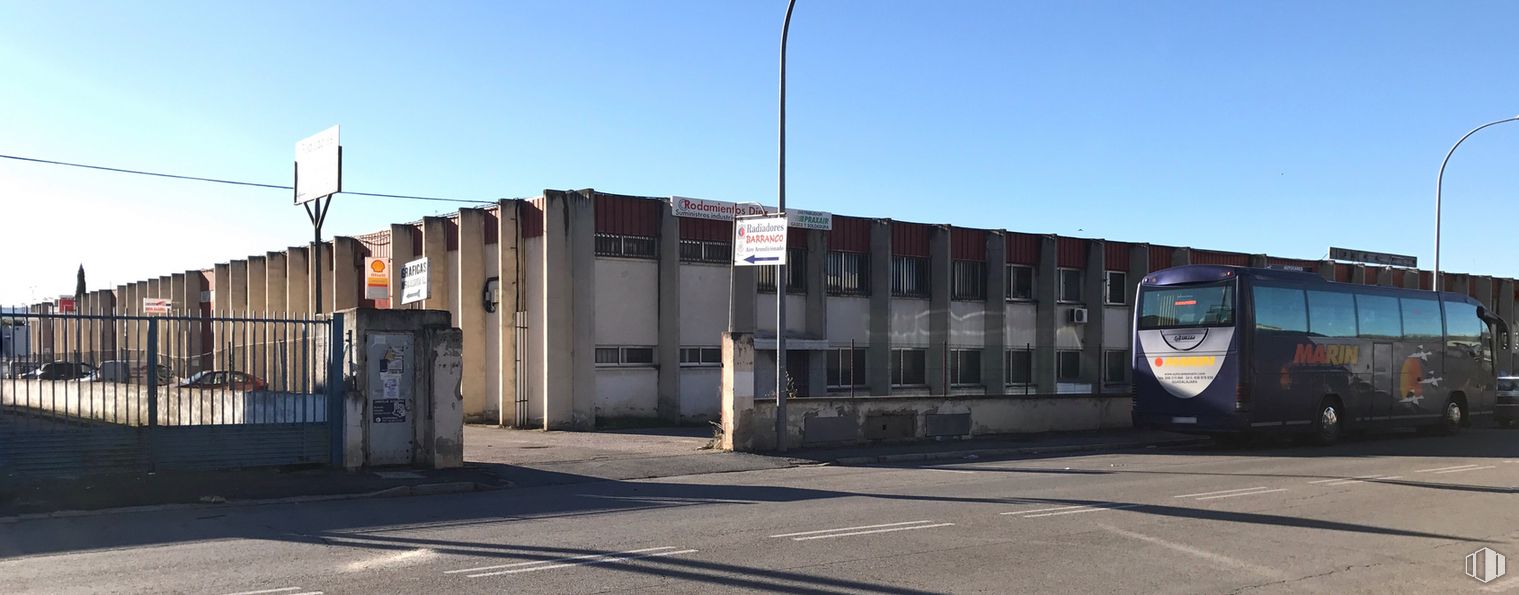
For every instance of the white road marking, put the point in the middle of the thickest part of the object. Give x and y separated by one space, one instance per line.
586 561
952 470
1220 492
532 562
1243 494
853 533
1466 469
1219 559
1439 469
1048 509
284 590
408 557
1083 509
1364 479
850 528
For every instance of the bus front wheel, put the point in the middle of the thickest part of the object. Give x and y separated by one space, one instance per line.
1328 426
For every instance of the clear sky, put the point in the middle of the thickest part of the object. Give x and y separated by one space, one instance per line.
1280 127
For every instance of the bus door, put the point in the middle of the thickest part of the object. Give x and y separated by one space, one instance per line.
1381 397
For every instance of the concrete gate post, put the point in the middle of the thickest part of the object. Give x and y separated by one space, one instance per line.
403 405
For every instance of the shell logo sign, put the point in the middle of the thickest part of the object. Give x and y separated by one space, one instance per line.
376 278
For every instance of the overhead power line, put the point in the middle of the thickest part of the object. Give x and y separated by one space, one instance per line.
232 182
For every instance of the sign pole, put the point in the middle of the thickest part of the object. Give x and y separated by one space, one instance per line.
323 155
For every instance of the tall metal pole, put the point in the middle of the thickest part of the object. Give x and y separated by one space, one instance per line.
780 271
1439 181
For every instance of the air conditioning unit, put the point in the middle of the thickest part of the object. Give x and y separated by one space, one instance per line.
1078 316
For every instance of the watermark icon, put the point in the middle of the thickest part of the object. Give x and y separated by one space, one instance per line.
1486 565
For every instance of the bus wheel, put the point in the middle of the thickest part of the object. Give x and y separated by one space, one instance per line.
1327 428
1451 419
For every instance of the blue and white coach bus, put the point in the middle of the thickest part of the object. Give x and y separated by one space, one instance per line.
1230 351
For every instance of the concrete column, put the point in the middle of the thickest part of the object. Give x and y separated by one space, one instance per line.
1046 282
234 339
298 280
258 283
1139 266
1411 279
1358 274
1485 293
153 289
817 310
938 310
742 316
195 339
435 248
1091 343
507 268
993 360
321 257
221 297
878 352
667 406
1259 261
1325 269
173 334
471 318
276 283
568 319
401 252
1505 306
347 273
1384 277
1182 256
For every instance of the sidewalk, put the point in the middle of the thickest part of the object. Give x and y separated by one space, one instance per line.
1007 446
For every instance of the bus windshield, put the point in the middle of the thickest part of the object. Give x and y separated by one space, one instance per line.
1193 305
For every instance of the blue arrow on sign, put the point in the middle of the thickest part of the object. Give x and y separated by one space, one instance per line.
753 259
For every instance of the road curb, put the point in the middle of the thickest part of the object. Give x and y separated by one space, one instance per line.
1002 452
424 489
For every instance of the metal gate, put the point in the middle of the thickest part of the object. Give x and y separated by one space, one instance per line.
90 393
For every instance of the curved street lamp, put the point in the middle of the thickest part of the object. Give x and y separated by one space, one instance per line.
780 271
1439 180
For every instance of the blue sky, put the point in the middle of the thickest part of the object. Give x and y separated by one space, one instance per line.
1280 127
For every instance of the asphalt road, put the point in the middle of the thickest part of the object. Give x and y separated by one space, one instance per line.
1373 515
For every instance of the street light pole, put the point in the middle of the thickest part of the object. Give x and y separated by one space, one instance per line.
1439 181
780 271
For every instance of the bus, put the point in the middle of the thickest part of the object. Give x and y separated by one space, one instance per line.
1235 351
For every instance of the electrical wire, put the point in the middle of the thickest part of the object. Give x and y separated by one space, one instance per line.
231 182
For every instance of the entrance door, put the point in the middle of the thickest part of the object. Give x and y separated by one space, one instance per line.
797 368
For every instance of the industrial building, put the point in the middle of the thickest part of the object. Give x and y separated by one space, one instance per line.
581 309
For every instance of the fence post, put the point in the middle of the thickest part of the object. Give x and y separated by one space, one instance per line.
335 387
152 372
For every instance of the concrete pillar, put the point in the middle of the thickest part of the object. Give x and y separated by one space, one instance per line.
742 316
153 290
221 298
1139 266
1091 333
507 268
1259 261
1046 286
435 249
298 281
667 406
401 252
195 340
471 319
276 283
1485 293
939 283
234 337
321 258
347 273
993 358
1325 269
258 284
1358 274
878 352
1384 277
1182 256
174 335
1411 279
817 310
568 318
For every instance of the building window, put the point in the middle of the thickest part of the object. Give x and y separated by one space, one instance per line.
848 273
909 276
1115 288
1115 367
965 367
701 356
846 368
705 252
909 367
969 280
1070 285
1020 282
1020 366
1068 366
626 246
796 273
626 356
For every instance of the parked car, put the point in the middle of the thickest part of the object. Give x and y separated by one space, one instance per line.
1507 412
61 371
122 371
18 369
224 379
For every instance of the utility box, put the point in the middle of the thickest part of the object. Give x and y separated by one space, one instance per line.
403 406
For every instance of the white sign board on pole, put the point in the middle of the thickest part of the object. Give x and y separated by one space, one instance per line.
152 306
318 166
759 241
414 281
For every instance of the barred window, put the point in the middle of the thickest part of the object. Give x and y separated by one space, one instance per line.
705 252
1068 366
909 367
848 273
909 276
626 246
1115 288
969 280
1115 367
1070 285
701 356
965 367
796 273
1020 366
1020 282
846 368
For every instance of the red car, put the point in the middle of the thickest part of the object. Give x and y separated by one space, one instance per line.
224 379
